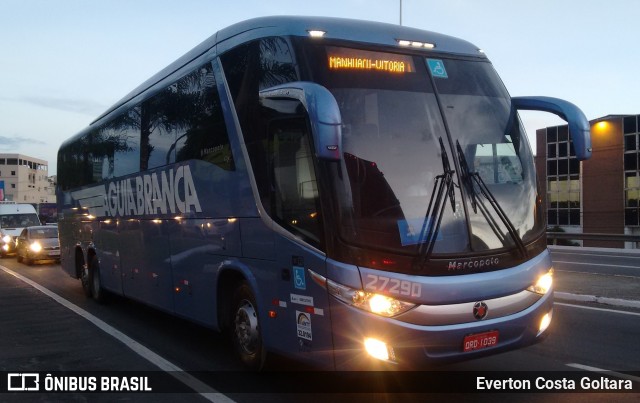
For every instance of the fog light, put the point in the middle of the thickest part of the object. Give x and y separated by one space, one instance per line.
545 322
376 348
5 247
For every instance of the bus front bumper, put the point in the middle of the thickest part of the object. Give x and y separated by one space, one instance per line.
363 341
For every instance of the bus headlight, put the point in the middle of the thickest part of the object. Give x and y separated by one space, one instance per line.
375 303
36 247
544 283
6 239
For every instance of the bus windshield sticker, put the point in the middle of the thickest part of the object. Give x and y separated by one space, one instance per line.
411 229
437 68
356 59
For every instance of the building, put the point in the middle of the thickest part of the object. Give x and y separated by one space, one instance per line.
26 179
600 195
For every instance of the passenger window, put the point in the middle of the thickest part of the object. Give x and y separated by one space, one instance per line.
185 121
201 130
158 134
295 202
119 140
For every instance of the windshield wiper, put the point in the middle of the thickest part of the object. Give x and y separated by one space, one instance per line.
443 186
469 178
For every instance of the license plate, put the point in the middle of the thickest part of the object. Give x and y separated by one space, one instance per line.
54 253
480 340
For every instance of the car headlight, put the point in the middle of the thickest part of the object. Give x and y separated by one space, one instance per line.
376 303
544 283
36 247
6 239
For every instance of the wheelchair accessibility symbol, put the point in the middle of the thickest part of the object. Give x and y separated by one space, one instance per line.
437 68
298 278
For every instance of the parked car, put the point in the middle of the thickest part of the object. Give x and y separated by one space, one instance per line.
38 243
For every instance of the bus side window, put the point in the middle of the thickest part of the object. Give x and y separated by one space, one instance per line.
295 203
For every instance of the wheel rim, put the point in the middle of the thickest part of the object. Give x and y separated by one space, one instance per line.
246 327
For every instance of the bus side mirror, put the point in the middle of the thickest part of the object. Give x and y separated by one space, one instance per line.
324 114
579 128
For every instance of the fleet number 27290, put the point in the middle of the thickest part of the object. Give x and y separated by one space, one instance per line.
393 286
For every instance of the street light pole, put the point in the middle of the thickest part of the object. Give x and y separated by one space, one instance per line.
400 12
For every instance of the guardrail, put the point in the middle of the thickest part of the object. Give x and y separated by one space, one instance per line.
593 237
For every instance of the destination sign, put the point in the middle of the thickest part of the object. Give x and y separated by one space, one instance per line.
356 59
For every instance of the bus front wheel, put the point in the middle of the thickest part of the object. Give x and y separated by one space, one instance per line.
245 328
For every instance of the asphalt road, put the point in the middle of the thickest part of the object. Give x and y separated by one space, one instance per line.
39 334
612 262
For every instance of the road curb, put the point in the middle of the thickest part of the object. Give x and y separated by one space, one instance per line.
623 303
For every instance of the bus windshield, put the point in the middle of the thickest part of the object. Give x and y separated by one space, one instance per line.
406 119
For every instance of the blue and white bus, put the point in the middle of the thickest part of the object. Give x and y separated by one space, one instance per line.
351 194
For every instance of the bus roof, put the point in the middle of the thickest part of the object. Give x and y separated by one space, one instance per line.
347 29
335 28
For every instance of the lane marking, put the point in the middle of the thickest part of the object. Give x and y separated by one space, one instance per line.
605 372
202 388
597 274
596 264
597 309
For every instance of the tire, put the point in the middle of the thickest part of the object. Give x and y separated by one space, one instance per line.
27 260
245 328
95 284
19 258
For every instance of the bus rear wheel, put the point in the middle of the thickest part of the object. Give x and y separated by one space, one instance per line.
245 328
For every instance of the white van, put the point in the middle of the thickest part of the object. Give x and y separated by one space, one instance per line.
13 219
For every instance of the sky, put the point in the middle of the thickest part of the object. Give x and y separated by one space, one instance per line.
64 62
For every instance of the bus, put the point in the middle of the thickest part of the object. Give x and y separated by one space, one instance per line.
351 194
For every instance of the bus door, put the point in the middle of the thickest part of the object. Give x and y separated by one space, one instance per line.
303 319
